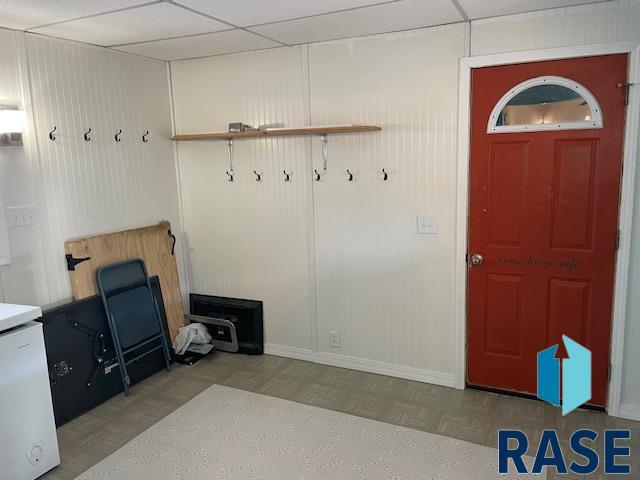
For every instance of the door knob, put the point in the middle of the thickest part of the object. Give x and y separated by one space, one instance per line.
476 259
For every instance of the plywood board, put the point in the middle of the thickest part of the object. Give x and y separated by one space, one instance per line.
152 244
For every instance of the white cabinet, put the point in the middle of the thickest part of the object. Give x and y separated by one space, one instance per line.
27 426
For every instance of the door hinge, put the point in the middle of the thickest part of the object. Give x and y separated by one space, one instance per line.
72 262
626 90
618 239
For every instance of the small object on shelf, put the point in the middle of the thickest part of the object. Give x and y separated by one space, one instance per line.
240 127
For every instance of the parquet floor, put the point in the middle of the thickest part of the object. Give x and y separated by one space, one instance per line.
471 415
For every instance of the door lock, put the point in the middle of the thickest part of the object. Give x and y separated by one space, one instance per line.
476 259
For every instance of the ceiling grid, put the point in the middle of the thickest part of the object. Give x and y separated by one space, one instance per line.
180 29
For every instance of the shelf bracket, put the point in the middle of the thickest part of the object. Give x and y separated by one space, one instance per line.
324 150
230 172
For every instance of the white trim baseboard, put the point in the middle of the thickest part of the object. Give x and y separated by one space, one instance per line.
630 412
362 364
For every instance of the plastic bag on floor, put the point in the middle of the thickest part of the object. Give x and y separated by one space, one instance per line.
194 333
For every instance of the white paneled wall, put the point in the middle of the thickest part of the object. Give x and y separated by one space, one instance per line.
384 288
246 238
79 187
24 280
388 291
101 185
602 22
354 263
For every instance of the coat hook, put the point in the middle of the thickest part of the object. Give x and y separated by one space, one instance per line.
87 138
350 175
287 176
52 137
317 173
385 176
117 135
144 137
231 174
258 176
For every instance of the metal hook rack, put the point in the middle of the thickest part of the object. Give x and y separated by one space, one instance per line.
87 138
117 136
349 176
144 136
385 175
287 176
52 136
258 176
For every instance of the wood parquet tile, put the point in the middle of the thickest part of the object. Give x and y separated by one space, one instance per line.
470 415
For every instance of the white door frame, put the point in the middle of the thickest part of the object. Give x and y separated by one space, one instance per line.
626 205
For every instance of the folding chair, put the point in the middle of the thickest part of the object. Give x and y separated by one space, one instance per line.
133 314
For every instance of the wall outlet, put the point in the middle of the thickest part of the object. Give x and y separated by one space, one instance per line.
334 339
22 216
427 224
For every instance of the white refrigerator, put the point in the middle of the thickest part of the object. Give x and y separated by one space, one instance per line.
28 442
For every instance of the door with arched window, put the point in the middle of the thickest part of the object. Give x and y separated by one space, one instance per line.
545 170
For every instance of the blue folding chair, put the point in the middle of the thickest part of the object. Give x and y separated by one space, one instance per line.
133 314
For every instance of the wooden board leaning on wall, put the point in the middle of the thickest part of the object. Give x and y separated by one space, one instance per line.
153 244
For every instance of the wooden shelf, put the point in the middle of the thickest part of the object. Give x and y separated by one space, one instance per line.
279 132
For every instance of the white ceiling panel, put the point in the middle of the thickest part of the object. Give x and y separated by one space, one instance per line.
389 17
254 12
231 41
150 22
493 8
24 14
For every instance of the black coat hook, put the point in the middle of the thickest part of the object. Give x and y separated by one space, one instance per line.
385 175
52 137
317 175
350 175
117 135
87 138
258 176
144 137
287 176
230 175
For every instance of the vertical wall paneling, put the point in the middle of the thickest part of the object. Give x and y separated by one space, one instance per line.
101 185
603 22
247 238
387 290
24 280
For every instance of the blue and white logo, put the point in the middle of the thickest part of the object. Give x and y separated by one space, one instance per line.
576 376
576 389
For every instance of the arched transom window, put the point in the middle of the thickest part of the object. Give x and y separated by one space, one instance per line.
545 103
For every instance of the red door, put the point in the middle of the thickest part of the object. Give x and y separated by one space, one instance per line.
544 217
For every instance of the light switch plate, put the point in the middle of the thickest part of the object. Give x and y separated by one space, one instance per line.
427 224
22 216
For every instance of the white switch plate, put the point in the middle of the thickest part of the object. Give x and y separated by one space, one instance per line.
22 216
427 224
334 339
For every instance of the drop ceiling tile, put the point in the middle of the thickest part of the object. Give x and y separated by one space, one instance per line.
253 12
150 22
23 14
389 17
231 41
483 8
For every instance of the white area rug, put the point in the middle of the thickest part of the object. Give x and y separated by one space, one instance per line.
231 434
